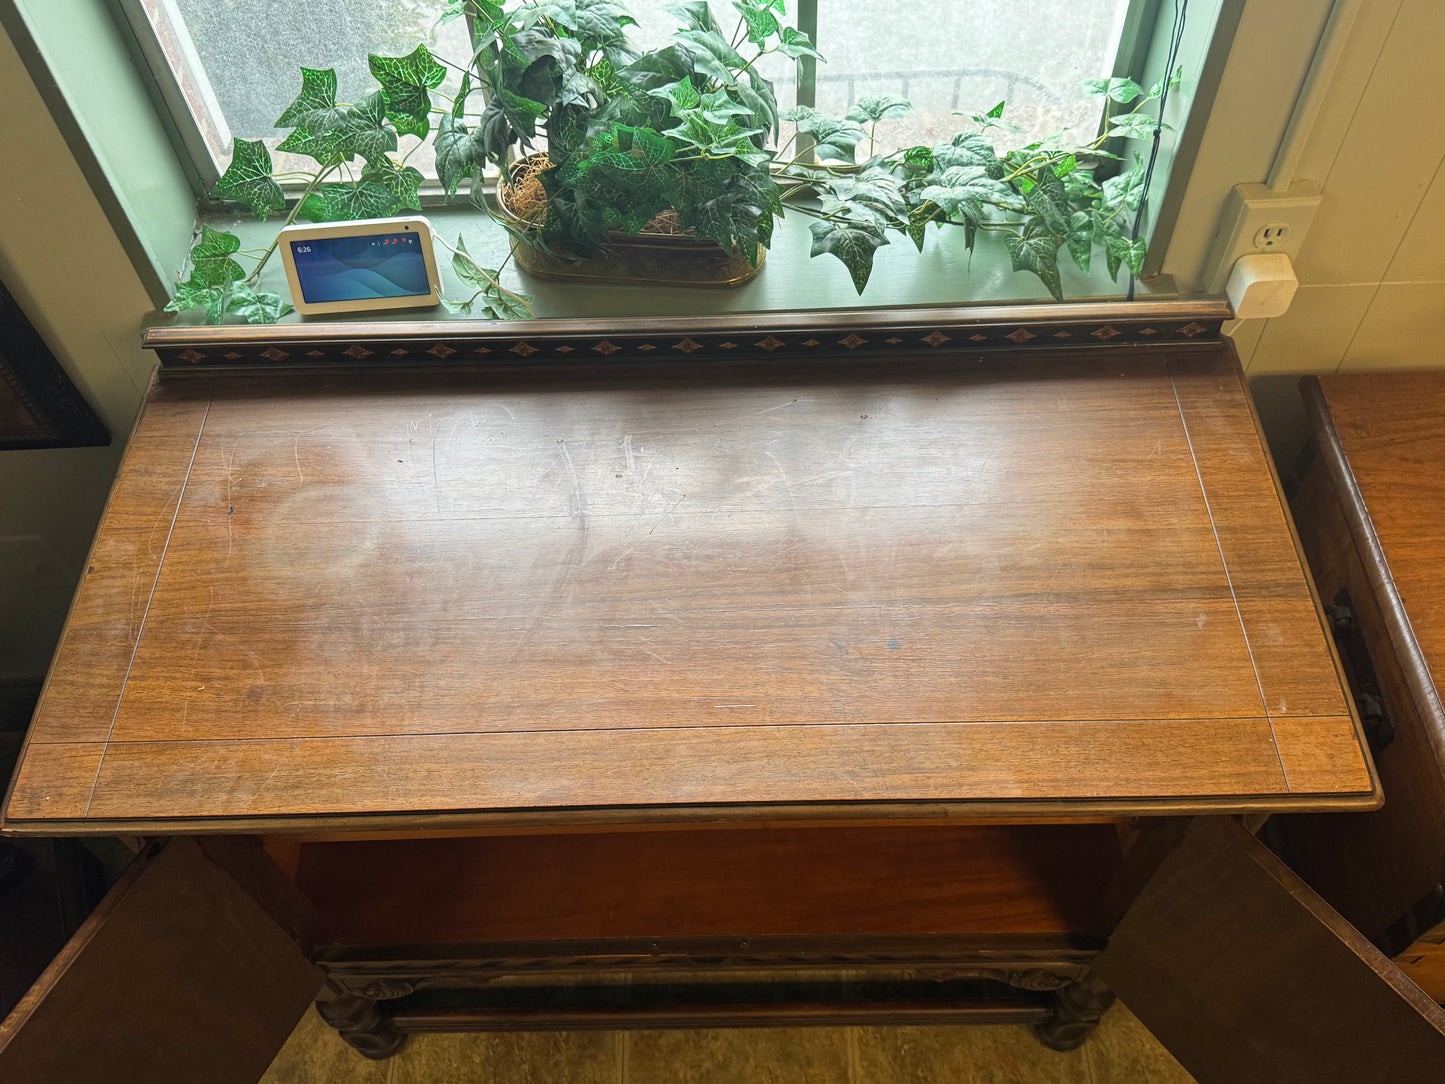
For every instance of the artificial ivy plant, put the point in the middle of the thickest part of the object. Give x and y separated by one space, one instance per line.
691 128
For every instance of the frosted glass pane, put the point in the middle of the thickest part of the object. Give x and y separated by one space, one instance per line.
967 57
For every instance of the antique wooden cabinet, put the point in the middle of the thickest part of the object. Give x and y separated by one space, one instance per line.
902 666
1371 513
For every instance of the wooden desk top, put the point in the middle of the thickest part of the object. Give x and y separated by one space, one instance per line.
1386 434
1043 585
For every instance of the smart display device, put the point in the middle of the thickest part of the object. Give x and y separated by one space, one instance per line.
377 263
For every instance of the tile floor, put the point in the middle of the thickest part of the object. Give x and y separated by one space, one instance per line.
1120 1052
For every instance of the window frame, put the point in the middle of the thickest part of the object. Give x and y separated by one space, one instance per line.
173 93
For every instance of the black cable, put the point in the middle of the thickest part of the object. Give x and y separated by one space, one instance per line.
1176 40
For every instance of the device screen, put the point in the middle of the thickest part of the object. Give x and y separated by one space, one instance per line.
360 268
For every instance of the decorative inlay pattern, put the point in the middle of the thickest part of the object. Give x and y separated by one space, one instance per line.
402 345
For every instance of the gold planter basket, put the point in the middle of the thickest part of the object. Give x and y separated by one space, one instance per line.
660 255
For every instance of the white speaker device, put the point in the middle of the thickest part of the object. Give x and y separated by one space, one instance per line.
376 263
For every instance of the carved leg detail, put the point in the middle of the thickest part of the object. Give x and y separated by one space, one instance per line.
363 1024
1075 1012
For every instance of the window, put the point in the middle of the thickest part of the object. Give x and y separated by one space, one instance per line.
945 58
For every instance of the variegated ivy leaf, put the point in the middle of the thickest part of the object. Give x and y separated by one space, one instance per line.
343 202
1040 254
407 82
965 189
761 23
211 263
695 15
192 295
853 243
366 131
458 151
247 179
711 54
834 139
793 43
257 306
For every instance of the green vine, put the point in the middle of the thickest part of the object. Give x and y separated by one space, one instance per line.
689 128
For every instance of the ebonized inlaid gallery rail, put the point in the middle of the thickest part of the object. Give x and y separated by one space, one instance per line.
782 336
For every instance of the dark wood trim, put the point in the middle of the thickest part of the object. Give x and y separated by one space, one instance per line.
769 1014
1415 670
862 333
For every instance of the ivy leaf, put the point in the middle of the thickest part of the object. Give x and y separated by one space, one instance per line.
458 151
880 108
646 151
1131 252
852 243
459 106
762 23
1136 126
969 149
718 108
366 131
247 179
696 15
469 271
1081 239
658 68
834 139
758 95
965 189
682 97
794 43
211 263
1120 90
401 181
257 306
315 107
192 295
522 113
1039 254
406 83
1126 189
342 202
711 54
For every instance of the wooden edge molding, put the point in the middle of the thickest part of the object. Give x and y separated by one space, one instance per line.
861 333
793 815
1413 666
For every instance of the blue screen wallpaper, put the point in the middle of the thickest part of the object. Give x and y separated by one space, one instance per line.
360 268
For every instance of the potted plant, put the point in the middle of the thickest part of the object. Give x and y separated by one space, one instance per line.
598 143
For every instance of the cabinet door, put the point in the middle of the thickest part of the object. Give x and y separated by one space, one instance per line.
177 976
1246 975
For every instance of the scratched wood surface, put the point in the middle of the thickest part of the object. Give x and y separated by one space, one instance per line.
1051 584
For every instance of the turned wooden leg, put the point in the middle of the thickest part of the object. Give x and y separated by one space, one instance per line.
363 1024
1075 1012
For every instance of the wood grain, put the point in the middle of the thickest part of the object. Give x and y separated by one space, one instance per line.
177 976
748 882
1246 975
954 580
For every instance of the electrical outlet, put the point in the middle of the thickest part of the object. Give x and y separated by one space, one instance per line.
1256 219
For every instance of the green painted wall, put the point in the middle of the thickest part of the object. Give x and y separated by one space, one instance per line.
68 269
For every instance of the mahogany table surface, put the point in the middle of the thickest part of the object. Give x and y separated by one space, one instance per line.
1038 586
1391 430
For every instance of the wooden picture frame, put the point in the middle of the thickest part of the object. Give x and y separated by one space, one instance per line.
39 406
